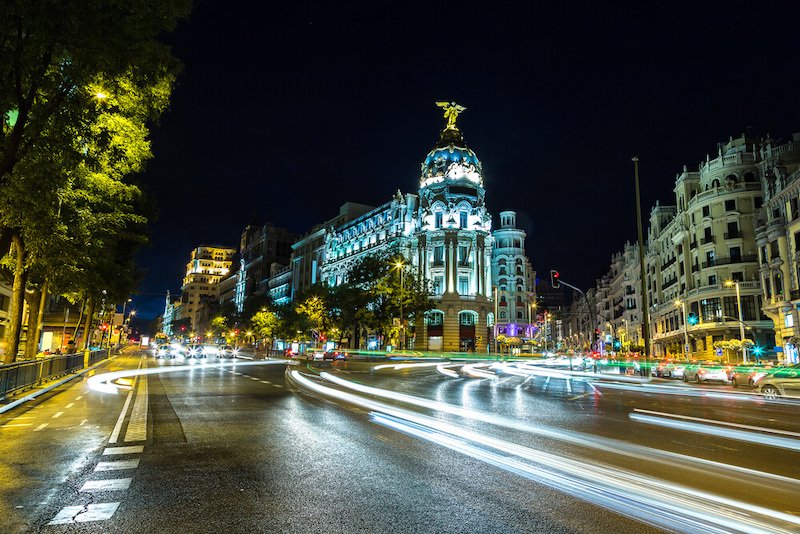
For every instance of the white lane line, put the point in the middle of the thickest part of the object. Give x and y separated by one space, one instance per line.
24 417
83 422
117 465
58 414
80 514
40 427
13 425
78 398
278 386
137 426
265 382
106 484
544 387
118 427
725 423
133 449
70 405
252 378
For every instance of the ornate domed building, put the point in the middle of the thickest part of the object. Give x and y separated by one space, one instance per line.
445 232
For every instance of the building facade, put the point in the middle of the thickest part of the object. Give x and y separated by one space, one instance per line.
515 280
207 266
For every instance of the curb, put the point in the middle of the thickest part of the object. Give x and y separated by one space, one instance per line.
51 387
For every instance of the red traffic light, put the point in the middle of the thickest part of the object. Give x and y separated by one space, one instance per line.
183 329
554 279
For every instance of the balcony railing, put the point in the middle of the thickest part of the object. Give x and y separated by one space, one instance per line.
669 283
668 263
707 240
695 268
794 294
733 235
728 261
693 244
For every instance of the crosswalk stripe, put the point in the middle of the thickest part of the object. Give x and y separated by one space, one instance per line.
107 484
82 514
133 449
117 465
57 415
40 427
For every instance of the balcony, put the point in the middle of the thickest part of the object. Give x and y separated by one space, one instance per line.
728 261
437 263
695 268
669 283
693 244
707 240
668 263
733 235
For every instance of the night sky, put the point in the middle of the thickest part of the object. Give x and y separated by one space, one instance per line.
284 111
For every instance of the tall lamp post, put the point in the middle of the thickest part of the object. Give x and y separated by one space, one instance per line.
642 271
682 304
399 265
731 283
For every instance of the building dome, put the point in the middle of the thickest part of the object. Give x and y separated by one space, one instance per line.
451 160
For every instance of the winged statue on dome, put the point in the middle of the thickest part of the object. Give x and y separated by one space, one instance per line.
451 112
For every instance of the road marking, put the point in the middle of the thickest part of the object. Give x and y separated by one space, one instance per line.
252 378
78 398
70 405
725 423
40 427
58 414
133 449
278 386
117 465
118 427
576 397
547 381
266 382
82 514
14 425
83 422
137 426
107 484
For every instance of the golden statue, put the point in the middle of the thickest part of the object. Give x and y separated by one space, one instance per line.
451 111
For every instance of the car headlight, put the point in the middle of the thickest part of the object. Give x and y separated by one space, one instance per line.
758 376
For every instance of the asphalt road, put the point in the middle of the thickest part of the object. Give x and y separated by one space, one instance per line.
247 447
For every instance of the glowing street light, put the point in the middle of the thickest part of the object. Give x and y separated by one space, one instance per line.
399 265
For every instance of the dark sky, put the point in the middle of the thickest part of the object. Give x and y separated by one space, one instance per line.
285 110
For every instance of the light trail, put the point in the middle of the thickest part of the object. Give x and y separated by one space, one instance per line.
103 383
718 431
607 445
650 500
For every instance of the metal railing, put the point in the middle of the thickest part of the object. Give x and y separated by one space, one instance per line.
21 375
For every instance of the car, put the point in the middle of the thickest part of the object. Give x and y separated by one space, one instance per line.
706 372
196 351
334 355
227 351
163 351
780 382
746 375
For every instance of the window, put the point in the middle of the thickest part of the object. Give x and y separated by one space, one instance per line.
758 202
438 285
710 310
707 235
788 320
778 286
502 315
435 318
463 252
438 217
737 276
774 251
706 211
710 258
730 307
797 241
466 319
438 254
519 315
463 217
736 254
730 205
712 279
763 254
733 230
463 285
793 212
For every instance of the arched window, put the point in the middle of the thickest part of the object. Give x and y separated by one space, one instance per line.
435 317
490 319
502 270
731 179
503 301
749 177
715 183
502 315
519 315
467 318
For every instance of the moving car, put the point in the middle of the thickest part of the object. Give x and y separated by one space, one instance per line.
780 382
706 372
163 351
746 375
334 355
227 351
196 351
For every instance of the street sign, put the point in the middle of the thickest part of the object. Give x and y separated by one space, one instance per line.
719 352
687 348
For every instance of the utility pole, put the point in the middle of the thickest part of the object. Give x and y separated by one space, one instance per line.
642 272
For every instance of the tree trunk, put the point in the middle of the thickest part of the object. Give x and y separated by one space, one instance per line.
78 324
36 304
17 300
87 325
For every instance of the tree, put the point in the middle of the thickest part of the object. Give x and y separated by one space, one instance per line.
81 82
264 324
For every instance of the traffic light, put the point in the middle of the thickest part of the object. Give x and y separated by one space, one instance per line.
183 329
554 279
692 319
596 334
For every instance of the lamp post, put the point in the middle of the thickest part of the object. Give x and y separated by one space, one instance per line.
642 271
399 265
682 304
730 283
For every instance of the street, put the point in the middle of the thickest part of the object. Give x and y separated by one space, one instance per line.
251 446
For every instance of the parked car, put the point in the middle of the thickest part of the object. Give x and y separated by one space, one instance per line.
747 375
163 351
705 372
780 382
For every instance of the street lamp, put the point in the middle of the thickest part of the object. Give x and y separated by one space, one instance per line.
399 265
730 283
682 304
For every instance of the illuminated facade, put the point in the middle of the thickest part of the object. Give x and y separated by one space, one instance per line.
514 279
206 268
445 233
778 242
